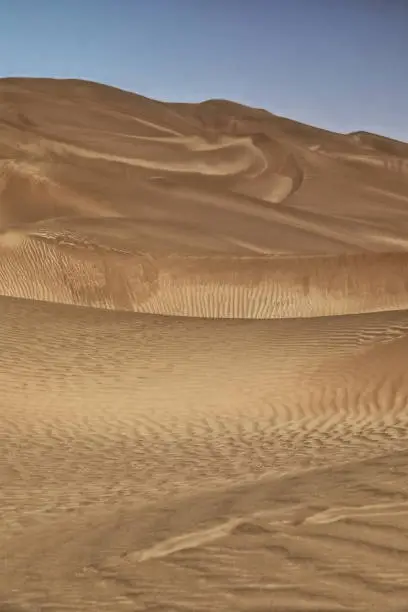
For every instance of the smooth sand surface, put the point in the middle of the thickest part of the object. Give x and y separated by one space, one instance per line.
203 349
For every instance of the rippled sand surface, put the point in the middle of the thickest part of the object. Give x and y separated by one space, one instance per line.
203 348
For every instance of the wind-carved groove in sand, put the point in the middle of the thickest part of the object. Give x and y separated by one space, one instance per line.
248 524
341 513
185 541
261 167
22 181
394 164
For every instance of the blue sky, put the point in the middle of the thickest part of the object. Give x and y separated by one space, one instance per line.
340 64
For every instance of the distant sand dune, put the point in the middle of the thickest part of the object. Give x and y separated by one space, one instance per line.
203 348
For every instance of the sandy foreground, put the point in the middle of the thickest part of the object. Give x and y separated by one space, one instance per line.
203 349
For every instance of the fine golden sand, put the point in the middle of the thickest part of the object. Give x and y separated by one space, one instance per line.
203 349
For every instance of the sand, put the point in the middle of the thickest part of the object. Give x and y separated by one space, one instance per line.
202 357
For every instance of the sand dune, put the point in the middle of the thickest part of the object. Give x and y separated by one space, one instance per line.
202 357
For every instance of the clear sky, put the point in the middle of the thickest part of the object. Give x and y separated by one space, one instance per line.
340 64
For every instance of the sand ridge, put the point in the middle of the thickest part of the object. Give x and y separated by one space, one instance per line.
93 271
204 332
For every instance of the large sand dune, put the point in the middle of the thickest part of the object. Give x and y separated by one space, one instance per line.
202 357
